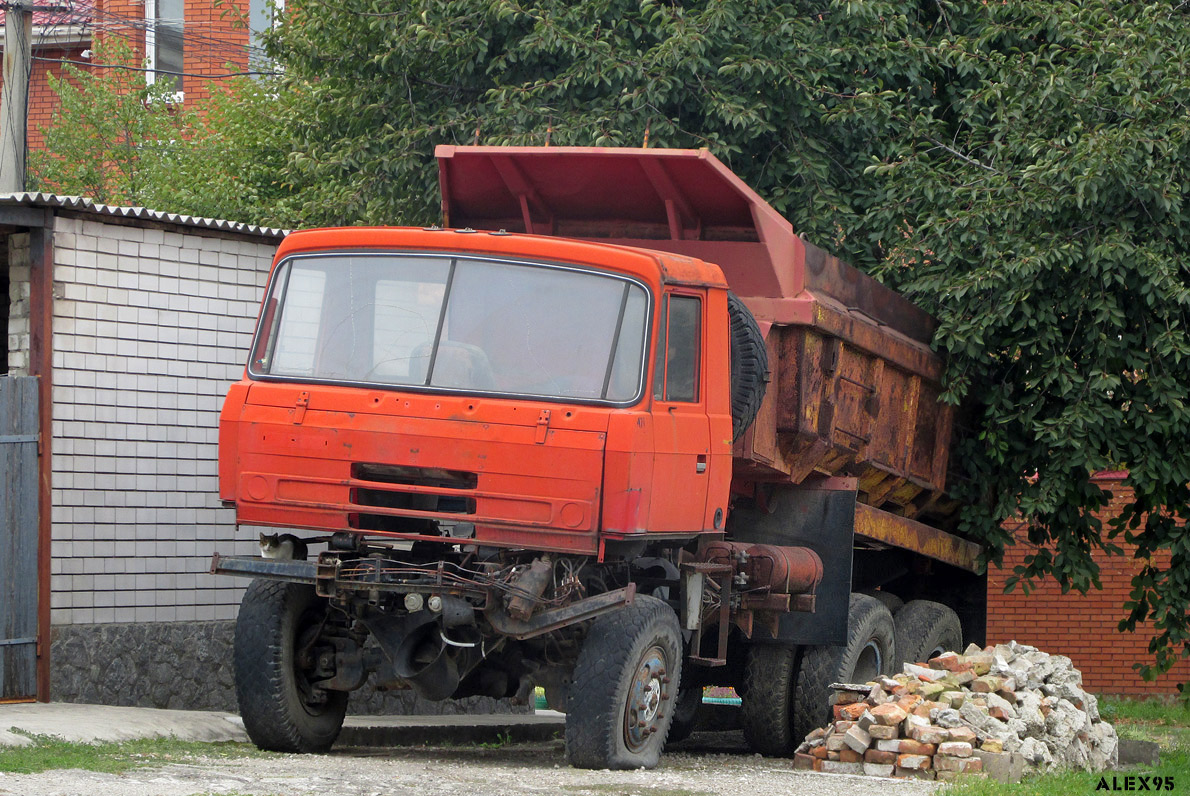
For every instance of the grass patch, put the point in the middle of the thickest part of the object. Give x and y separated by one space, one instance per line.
1165 721
1172 712
47 753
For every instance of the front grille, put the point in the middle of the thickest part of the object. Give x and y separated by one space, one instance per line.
388 499
414 476
396 476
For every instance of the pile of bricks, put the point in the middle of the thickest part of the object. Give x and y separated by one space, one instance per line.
955 713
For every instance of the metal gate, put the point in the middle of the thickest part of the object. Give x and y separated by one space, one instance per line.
18 537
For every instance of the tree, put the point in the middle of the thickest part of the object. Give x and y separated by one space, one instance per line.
1040 192
375 89
119 140
1018 168
231 160
110 130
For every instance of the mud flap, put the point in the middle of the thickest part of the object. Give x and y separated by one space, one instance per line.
824 521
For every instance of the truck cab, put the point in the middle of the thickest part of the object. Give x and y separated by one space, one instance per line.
432 384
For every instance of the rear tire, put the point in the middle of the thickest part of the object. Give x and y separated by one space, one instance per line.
627 678
870 651
891 601
766 710
925 629
686 712
281 712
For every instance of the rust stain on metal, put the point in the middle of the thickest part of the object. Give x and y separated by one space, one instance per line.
880 526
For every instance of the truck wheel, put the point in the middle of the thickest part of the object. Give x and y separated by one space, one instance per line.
766 711
686 709
274 631
628 673
925 629
870 651
749 366
891 601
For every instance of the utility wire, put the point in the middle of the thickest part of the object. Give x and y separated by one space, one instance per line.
145 69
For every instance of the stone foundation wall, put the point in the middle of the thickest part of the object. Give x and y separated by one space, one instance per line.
187 666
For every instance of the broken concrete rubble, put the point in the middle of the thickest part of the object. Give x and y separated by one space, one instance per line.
992 710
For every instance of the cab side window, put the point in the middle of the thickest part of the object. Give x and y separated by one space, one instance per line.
676 375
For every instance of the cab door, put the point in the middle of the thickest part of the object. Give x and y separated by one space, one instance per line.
681 430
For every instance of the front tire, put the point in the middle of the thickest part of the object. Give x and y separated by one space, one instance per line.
273 668
625 688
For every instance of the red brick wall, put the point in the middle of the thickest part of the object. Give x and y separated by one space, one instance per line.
43 103
214 46
1082 627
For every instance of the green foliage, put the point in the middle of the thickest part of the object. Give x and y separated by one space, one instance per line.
231 162
379 88
109 132
118 140
1038 189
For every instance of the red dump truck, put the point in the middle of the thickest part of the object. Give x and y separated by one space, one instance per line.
613 430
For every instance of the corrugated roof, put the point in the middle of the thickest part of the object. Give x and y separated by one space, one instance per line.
85 205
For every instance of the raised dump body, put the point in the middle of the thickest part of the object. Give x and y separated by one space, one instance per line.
854 386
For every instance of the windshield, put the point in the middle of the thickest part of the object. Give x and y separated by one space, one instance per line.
454 323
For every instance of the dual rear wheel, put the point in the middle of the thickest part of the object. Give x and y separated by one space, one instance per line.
786 690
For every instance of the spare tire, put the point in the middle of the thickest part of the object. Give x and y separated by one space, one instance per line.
749 366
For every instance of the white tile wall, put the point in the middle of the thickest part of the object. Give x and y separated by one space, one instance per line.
150 328
18 304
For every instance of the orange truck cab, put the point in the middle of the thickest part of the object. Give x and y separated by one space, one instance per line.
549 447
517 390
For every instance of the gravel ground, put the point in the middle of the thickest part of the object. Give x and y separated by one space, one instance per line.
706 764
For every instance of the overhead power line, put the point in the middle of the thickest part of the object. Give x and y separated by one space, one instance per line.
146 69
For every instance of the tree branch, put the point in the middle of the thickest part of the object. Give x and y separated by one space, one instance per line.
961 156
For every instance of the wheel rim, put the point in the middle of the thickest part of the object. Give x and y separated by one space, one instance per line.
646 698
870 663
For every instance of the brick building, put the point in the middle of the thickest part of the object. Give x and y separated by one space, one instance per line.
1082 627
58 37
192 42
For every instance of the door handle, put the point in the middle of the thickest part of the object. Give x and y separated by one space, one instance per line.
701 466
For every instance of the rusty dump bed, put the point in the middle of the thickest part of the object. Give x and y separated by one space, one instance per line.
854 387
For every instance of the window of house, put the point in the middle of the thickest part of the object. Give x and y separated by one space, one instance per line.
262 15
165 41
676 375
